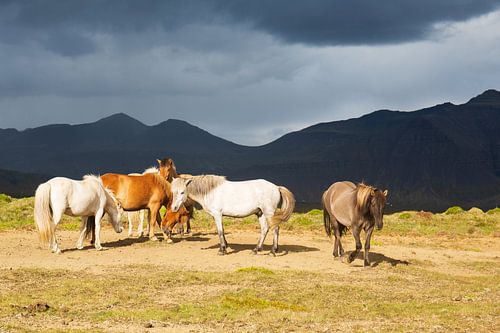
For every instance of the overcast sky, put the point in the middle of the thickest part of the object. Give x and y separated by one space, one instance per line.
248 71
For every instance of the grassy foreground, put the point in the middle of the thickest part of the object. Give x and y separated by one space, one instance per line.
418 296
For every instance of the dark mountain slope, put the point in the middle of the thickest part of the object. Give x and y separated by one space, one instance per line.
429 159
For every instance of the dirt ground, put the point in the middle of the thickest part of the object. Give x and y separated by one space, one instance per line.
309 252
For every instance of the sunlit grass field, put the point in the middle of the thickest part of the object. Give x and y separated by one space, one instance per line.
404 298
18 214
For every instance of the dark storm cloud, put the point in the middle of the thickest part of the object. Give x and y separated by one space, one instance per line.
66 27
356 22
245 70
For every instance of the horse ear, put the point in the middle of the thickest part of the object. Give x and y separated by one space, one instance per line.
188 181
159 161
386 192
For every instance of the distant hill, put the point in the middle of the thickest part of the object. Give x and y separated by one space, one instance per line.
428 159
19 184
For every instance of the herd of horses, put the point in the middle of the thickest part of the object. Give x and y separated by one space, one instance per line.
345 205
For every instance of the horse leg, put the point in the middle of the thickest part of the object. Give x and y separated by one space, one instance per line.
83 229
154 211
220 232
140 227
56 217
336 233
98 216
356 234
274 249
264 228
188 225
147 222
367 246
130 227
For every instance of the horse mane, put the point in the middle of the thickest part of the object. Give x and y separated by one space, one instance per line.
92 177
159 180
204 184
151 170
363 196
112 195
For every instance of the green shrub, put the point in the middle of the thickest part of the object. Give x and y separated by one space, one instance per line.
454 210
315 212
494 210
405 216
5 198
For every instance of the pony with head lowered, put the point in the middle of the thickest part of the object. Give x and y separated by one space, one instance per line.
221 197
358 207
87 198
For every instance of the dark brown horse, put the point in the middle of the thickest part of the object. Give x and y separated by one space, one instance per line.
358 207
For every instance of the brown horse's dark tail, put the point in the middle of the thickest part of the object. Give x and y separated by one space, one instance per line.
327 221
331 225
90 227
342 229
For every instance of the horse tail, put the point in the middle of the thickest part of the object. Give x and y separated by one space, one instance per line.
342 229
286 210
43 214
90 227
327 221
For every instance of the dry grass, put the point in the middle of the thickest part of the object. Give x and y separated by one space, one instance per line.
251 298
406 298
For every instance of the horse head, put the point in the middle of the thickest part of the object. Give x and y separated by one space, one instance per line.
167 169
371 203
377 204
171 219
179 192
114 210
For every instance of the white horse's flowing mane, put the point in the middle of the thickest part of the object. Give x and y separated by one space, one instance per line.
92 177
204 184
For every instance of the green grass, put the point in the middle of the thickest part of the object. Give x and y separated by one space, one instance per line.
454 210
405 216
18 214
495 210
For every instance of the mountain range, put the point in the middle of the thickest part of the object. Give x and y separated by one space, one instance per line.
429 159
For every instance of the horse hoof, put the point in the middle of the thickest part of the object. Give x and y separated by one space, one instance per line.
272 254
153 239
169 241
79 247
100 248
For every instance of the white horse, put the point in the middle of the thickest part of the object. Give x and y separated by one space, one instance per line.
85 198
220 197
139 215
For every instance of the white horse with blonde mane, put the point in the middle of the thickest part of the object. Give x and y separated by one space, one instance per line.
86 198
220 197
